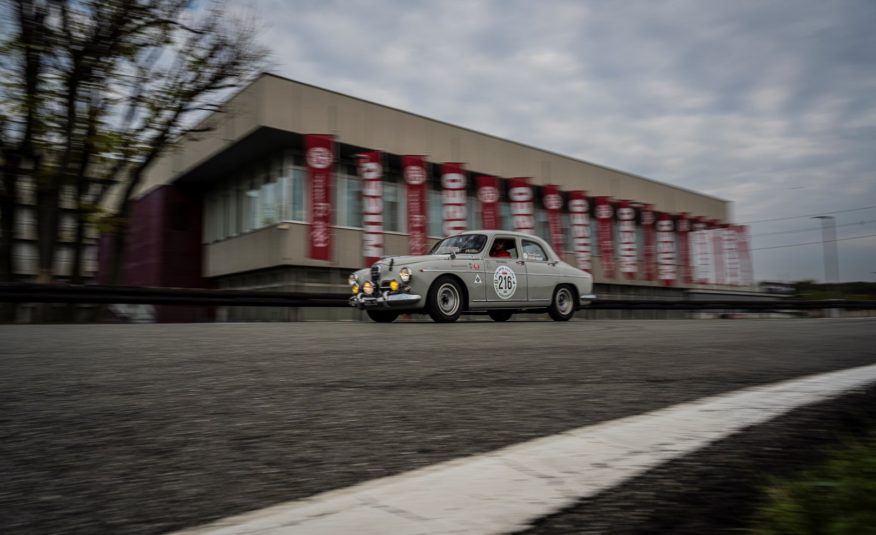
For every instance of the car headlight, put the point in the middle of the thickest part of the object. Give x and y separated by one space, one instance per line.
355 288
368 288
353 279
393 285
404 274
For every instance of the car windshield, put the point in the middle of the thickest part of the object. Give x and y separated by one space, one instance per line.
466 243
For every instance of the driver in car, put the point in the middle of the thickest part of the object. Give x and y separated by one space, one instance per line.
498 250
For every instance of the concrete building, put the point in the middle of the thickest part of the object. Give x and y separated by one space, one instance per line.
229 208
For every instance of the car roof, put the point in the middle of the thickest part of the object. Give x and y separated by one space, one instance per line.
491 233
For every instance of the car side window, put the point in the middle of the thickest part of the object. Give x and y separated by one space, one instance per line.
533 251
504 248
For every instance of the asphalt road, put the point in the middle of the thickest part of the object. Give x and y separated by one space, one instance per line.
149 428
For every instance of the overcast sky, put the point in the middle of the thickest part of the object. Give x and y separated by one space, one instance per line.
769 104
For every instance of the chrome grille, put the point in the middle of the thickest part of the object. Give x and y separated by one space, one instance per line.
375 273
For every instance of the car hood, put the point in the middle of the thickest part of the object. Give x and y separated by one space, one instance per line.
400 261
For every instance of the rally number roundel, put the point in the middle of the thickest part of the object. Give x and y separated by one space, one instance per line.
504 282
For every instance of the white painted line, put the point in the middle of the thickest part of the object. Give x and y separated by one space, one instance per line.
505 490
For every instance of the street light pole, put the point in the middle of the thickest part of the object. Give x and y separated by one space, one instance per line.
828 243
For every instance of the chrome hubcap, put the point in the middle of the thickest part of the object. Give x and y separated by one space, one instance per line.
448 299
564 301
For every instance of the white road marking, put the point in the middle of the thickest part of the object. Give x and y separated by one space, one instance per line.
505 490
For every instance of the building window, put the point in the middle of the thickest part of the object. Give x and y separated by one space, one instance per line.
67 227
251 206
63 261
25 224
229 196
268 204
393 207
542 227
294 196
25 258
436 227
348 212
473 213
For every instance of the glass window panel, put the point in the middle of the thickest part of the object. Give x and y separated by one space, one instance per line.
299 195
268 197
542 228
505 216
353 203
25 258
473 211
230 192
391 206
436 226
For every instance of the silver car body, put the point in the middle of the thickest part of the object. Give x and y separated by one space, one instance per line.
526 280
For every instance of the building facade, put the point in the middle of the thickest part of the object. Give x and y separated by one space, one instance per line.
294 186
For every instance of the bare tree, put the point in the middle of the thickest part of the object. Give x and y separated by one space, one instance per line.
98 91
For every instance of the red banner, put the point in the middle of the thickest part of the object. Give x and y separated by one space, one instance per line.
627 258
320 165
522 212
732 267
371 175
666 270
650 244
414 171
698 223
579 210
744 249
453 198
553 203
683 228
488 196
718 250
604 217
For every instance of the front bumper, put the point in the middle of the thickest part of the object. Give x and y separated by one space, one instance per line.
386 300
585 300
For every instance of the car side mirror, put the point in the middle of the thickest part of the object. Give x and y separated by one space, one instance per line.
453 252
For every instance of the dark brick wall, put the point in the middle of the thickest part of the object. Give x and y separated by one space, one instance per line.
163 248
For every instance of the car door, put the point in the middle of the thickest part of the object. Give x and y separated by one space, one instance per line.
541 273
505 276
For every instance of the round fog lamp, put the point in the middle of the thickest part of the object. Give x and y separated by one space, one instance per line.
393 285
368 288
404 274
353 279
355 288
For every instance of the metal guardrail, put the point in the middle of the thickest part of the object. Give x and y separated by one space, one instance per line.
39 293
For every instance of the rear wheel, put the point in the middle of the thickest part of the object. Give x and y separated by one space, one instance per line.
563 304
445 300
382 316
500 315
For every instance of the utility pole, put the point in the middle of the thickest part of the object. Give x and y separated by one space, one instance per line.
828 243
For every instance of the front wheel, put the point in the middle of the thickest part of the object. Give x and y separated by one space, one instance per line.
445 300
382 316
500 315
563 304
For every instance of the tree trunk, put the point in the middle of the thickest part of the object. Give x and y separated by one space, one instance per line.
8 205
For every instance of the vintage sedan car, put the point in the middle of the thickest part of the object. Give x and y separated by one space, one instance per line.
482 271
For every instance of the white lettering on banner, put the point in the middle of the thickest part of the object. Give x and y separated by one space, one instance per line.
553 201
452 181
488 194
701 251
731 257
520 194
604 211
665 251
372 205
319 157
580 221
319 234
453 196
373 244
415 175
371 171
504 282
627 231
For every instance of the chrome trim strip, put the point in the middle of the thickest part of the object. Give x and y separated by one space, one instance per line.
587 297
384 301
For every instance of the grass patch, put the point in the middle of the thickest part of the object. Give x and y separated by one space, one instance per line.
836 497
